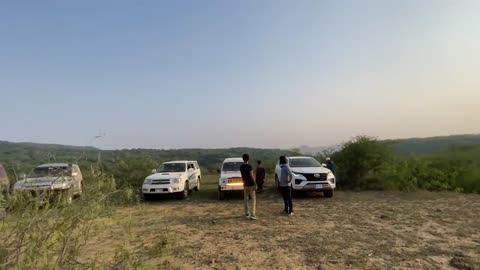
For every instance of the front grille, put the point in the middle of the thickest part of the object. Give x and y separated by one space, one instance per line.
161 182
315 176
234 180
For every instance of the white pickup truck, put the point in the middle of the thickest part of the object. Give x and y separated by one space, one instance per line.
309 175
230 177
173 177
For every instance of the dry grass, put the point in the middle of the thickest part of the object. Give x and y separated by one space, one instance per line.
366 230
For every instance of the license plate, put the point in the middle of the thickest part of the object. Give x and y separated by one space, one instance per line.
318 186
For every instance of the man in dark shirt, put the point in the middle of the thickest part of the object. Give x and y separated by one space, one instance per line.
249 187
330 165
260 176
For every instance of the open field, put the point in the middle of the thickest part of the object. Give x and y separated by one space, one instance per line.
366 230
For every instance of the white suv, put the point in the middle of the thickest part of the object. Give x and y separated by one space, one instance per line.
61 180
309 175
177 177
230 177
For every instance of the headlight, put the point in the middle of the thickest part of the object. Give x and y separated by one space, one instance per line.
331 178
147 181
176 180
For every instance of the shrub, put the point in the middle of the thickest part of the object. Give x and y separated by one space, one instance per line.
40 234
359 160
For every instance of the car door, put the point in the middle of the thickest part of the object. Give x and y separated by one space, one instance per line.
192 180
198 172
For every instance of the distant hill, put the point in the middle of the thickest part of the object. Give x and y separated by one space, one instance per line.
431 144
313 150
410 145
28 155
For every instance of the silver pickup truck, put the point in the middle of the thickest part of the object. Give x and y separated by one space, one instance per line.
53 179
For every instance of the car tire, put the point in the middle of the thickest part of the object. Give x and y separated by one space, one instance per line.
328 193
184 194
221 194
145 197
80 191
197 188
66 196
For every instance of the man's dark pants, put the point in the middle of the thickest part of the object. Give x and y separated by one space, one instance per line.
287 199
260 184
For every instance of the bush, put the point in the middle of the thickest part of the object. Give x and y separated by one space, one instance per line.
365 163
41 234
359 160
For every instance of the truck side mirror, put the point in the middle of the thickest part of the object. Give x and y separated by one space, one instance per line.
154 171
22 176
324 165
190 170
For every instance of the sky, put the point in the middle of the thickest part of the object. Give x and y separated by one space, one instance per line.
213 74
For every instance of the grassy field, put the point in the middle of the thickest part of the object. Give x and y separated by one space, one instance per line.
365 230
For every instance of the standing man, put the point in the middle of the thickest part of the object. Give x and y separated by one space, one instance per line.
249 187
330 165
286 177
260 176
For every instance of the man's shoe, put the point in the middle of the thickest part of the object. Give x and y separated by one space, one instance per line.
285 212
253 218
248 216
291 214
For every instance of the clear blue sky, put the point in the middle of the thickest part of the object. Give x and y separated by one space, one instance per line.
175 74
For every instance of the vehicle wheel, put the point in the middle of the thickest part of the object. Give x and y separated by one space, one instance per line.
80 191
328 193
221 194
66 196
184 194
197 188
145 197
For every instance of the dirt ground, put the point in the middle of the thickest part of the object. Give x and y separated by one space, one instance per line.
352 230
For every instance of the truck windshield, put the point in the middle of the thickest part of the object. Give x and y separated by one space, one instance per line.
303 162
231 166
51 171
172 167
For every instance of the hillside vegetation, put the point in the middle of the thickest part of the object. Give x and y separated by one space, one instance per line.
431 145
366 163
439 163
129 167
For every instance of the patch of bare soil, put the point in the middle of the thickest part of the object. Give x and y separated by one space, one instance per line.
366 230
